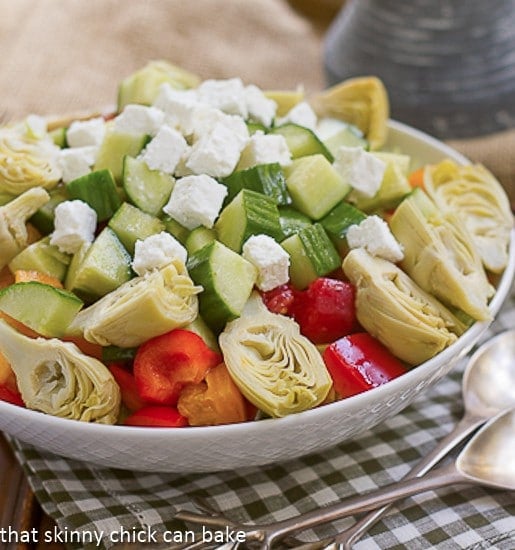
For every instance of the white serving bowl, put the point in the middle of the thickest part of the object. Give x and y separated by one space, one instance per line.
207 449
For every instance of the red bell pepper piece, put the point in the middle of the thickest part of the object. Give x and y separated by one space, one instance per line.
157 417
359 362
127 383
325 311
163 365
11 395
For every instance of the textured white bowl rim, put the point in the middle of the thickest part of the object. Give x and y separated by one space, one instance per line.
205 449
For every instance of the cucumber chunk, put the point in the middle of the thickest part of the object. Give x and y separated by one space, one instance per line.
292 221
302 141
312 255
43 257
249 213
97 189
315 186
334 133
147 189
338 221
176 229
99 268
130 224
41 307
43 219
198 238
227 279
267 179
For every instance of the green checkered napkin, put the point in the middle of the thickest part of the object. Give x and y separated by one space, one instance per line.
85 499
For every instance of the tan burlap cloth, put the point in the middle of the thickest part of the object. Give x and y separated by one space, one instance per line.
60 56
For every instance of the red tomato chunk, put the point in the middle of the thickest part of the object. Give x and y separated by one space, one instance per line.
359 362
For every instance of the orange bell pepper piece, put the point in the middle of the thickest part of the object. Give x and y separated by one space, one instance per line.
27 275
416 178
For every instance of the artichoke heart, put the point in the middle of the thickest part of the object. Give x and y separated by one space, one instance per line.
478 198
280 371
141 308
27 161
440 256
410 322
56 378
362 101
13 219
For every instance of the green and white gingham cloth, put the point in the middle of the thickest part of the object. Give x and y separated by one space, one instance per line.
86 500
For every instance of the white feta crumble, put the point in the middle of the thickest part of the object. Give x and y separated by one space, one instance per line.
36 126
361 169
217 153
180 107
228 95
265 149
139 119
374 235
301 114
165 150
75 223
157 251
260 108
76 161
196 200
270 259
83 133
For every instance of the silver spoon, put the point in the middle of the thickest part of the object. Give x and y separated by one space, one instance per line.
488 387
486 460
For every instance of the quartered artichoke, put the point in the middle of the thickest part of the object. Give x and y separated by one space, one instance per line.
141 308
477 197
362 101
440 256
280 371
54 377
13 219
410 322
27 160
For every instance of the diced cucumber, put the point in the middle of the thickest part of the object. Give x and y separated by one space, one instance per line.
302 141
249 213
312 255
98 189
114 147
148 189
58 136
227 280
113 354
198 238
267 179
176 229
315 186
99 268
130 224
334 133
254 127
200 327
43 257
285 99
292 221
338 221
43 308
43 219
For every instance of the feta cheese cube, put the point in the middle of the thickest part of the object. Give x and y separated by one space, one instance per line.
270 259
361 169
156 252
165 150
83 133
139 119
75 223
265 149
301 114
260 108
76 161
227 95
374 235
196 200
217 153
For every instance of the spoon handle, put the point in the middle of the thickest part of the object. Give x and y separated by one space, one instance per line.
463 428
444 475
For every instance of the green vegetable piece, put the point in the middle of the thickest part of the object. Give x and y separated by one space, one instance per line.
147 189
227 280
267 179
249 213
198 238
43 219
338 221
314 186
312 255
97 189
336 133
114 354
302 141
130 224
43 308
292 221
176 229
59 137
